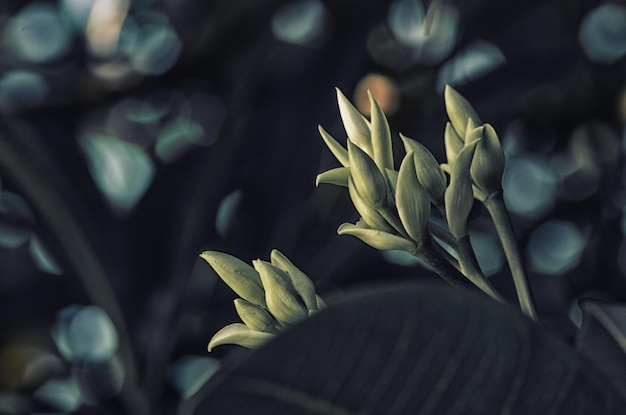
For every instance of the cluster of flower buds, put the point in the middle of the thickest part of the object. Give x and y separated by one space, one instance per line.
394 206
475 160
463 129
273 296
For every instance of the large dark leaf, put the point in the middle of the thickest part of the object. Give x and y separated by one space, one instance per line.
602 338
411 349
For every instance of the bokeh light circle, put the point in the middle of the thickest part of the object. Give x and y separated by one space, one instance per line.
530 186
603 33
156 49
555 247
22 89
38 33
300 22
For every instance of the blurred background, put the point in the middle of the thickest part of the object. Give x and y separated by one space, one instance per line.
136 134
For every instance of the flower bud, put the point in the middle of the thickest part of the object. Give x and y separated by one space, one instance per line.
453 144
301 282
459 110
377 239
356 125
381 136
488 164
429 174
369 214
459 195
412 200
280 294
240 334
472 131
368 180
340 153
255 317
238 275
338 176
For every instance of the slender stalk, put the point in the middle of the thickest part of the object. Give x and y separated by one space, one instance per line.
427 253
501 219
445 254
35 179
470 267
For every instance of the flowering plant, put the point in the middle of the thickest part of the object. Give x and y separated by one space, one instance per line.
421 208
395 208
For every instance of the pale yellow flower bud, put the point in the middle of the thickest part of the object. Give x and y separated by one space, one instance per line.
238 275
488 164
369 214
427 169
255 317
368 180
377 239
340 153
412 200
356 125
453 144
301 282
381 136
459 110
338 176
472 131
280 295
240 334
459 194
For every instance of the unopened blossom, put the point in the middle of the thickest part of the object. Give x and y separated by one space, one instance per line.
465 127
274 296
393 207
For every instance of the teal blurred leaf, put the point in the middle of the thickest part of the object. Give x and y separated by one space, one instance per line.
63 395
300 22
144 112
42 257
122 171
178 137
85 334
602 338
402 258
77 11
16 220
22 89
430 35
474 61
189 373
488 251
38 33
155 50
225 212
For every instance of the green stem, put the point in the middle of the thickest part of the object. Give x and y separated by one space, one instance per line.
500 216
470 267
426 252
445 254
25 164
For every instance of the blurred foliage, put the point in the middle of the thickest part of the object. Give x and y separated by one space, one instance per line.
136 134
